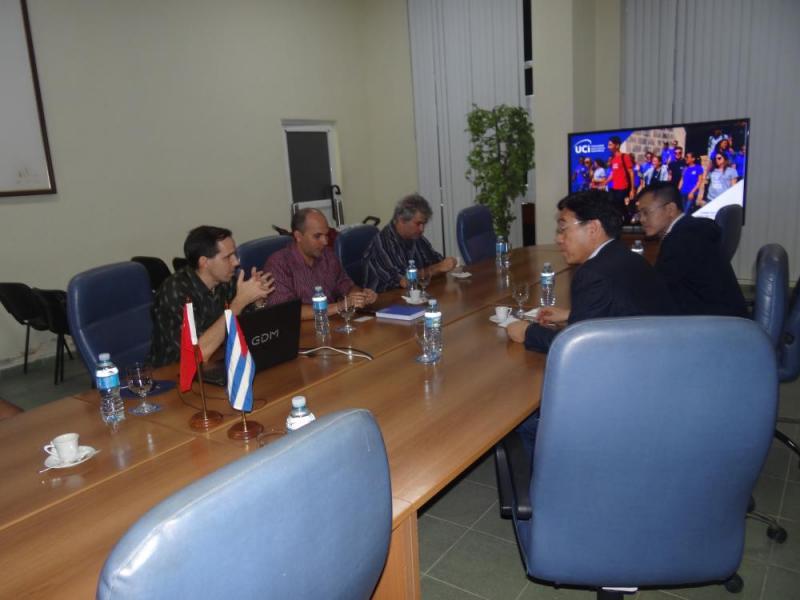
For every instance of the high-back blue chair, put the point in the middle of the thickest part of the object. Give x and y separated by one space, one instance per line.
255 253
108 309
772 290
350 245
475 234
643 484
789 359
309 516
729 218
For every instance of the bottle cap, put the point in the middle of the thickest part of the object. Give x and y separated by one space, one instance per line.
298 402
103 356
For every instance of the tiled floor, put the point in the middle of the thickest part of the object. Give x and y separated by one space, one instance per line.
468 552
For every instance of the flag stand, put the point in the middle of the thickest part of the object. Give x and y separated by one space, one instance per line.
246 430
206 419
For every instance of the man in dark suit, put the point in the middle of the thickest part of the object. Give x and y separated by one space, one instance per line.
611 281
699 278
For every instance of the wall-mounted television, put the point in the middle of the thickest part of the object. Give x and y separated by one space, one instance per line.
707 161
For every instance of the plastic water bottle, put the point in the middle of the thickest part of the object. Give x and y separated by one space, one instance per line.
502 258
300 414
547 283
637 247
433 327
411 276
112 408
320 304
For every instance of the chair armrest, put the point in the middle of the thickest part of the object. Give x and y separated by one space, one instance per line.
513 469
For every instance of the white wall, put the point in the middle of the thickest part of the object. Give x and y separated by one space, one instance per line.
576 53
165 115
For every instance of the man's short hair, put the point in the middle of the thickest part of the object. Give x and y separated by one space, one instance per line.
410 205
299 218
663 192
202 241
614 139
595 204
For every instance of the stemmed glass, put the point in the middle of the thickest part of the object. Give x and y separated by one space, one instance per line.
140 382
423 280
422 336
520 292
346 308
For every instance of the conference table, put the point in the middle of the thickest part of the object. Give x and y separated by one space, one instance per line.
58 526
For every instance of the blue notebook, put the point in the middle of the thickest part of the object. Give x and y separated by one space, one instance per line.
401 312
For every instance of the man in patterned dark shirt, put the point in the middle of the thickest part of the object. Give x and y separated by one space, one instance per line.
387 256
310 262
208 282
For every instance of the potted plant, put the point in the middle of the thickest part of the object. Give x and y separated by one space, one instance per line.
501 156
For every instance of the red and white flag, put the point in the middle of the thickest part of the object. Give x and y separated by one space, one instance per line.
188 348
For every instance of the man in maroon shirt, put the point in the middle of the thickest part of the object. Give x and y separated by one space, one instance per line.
620 179
309 262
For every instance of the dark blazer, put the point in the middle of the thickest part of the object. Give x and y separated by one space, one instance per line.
615 283
699 278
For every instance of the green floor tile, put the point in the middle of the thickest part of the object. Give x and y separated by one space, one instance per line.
787 554
435 538
791 501
483 565
781 584
751 572
464 503
767 494
493 524
436 590
483 471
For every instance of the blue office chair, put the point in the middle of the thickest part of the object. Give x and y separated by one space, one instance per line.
256 252
641 483
306 517
475 234
789 359
350 245
729 218
108 309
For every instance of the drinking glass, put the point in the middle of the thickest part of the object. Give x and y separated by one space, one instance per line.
423 280
140 382
520 292
422 336
346 308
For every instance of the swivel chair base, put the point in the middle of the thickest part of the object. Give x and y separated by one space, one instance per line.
788 442
774 530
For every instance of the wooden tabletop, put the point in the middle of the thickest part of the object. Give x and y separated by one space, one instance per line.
56 528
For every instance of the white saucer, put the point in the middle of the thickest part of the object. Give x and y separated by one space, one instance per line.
410 301
508 321
460 274
84 454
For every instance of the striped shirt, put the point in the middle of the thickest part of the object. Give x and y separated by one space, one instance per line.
294 279
386 258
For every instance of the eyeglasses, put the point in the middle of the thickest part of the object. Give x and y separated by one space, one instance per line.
645 213
560 229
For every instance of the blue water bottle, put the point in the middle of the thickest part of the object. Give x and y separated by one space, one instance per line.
320 304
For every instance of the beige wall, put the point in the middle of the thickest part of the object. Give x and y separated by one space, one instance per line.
576 70
164 115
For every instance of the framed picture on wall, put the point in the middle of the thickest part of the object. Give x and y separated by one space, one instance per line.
25 164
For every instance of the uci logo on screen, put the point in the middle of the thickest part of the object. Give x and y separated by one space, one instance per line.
585 146
265 337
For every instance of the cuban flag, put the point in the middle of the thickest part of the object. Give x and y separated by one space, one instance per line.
240 366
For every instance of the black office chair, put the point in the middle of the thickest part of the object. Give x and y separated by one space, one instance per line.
178 263
157 270
729 218
643 485
53 304
20 302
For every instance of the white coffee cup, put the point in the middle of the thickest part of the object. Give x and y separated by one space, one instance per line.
415 295
64 447
501 312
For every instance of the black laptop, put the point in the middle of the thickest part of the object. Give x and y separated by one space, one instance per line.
272 335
